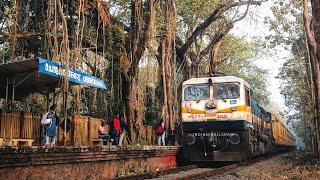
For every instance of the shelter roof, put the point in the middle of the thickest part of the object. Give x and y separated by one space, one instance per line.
40 75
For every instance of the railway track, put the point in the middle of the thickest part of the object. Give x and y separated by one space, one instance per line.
197 173
158 173
192 171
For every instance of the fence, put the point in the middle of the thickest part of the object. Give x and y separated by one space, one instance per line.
24 125
30 128
20 125
10 125
86 128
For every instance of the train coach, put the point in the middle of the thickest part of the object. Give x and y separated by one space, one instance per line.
222 123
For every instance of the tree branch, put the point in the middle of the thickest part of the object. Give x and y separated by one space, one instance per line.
139 34
217 13
309 33
219 36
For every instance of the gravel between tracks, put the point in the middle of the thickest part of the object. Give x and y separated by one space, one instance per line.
182 174
294 165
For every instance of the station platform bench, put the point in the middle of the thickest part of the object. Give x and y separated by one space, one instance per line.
22 142
99 141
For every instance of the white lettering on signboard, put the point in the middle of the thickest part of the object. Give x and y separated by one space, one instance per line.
74 75
92 81
61 72
52 69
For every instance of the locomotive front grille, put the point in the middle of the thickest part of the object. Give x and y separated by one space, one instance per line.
213 141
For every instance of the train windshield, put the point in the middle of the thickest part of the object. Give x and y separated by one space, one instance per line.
196 92
226 91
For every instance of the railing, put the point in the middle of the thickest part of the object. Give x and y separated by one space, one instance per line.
30 128
23 125
10 125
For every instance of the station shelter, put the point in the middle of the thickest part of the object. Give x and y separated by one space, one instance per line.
20 78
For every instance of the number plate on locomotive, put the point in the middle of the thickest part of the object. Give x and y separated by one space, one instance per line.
222 116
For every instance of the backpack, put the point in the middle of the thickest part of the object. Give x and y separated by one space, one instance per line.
45 120
159 129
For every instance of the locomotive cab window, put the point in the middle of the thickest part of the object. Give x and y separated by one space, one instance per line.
247 97
197 92
226 91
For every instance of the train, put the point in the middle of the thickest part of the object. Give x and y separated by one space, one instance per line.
221 122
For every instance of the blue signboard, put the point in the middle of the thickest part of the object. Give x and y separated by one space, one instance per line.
56 70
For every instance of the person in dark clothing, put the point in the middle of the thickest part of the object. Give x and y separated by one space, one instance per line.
123 131
161 131
51 129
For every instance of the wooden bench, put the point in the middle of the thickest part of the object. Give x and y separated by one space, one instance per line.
99 141
22 142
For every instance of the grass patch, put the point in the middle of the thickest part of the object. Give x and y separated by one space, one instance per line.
235 174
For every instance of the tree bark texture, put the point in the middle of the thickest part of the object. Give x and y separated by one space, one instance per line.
314 44
214 60
140 29
169 106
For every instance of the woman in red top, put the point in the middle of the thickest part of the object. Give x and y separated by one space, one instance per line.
116 131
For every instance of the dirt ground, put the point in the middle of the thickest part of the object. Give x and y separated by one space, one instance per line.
294 165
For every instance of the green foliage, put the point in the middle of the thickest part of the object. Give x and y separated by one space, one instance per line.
296 91
286 24
236 48
287 29
238 62
191 13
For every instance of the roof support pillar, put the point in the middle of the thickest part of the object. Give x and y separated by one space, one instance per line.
13 91
7 92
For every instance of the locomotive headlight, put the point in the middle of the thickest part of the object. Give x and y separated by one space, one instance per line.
233 109
188 105
211 105
190 139
234 138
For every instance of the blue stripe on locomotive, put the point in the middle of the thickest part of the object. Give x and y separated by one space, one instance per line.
255 108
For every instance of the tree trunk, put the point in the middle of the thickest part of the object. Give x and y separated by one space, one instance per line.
169 106
130 101
214 59
313 37
316 59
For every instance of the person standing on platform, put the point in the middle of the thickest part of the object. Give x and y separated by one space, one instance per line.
51 129
116 129
161 131
123 132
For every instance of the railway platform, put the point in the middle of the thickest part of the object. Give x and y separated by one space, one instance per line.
96 162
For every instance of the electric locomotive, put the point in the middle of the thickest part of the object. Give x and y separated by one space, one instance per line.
222 123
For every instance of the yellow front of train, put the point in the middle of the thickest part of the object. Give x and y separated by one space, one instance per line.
216 114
